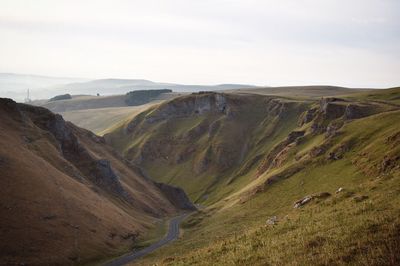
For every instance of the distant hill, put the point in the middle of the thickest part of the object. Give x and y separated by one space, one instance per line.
16 85
302 91
83 102
117 86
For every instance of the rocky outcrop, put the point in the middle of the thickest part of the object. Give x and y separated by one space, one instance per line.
176 196
339 152
333 128
308 116
105 177
333 108
196 104
307 199
356 111
276 156
98 171
277 107
73 192
390 163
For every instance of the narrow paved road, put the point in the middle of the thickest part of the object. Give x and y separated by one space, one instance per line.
173 233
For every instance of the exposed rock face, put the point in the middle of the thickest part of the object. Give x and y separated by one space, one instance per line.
333 128
389 163
354 111
277 155
66 192
106 177
308 116
199 104
294 135
206 133
334 110
276 107
176 196
307 199
99 171
221 119
324 102
318 150
338 111
55 124
339 152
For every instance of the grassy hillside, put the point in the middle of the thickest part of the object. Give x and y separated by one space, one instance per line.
101 120
391 95
102 113
67 197
316 91
308 151
201 146
84 102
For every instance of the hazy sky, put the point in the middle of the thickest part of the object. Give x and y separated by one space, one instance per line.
343 42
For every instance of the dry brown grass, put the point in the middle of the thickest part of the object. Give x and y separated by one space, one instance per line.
48 216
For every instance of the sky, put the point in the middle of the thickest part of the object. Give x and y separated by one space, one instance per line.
353 43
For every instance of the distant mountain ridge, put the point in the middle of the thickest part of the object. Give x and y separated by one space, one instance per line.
118 86
42 87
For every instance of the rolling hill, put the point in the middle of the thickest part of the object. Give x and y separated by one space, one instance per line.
315 91
118 86
281 178
67 197
85 102
15 86
101 113
102 120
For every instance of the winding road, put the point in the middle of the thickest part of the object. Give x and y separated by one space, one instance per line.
173 233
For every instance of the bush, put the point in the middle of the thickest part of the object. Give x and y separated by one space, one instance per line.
61 97
143 96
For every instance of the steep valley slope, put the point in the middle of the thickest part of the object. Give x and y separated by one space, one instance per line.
284 181
207 140
211 143
67 197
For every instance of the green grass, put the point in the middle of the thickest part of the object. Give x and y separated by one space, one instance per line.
391 95
102 120
337 230
250 129
153 235
231 230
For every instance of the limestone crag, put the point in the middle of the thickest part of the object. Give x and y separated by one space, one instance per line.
199 104
176 196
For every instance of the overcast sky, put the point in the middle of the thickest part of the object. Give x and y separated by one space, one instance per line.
349 42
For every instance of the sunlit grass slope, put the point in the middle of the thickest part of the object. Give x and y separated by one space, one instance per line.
359 225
